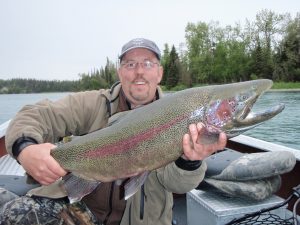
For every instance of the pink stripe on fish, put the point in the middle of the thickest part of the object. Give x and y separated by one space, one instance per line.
130 143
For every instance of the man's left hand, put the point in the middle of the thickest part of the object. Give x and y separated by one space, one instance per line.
195 151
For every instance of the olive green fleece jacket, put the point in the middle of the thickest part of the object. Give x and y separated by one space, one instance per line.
85 112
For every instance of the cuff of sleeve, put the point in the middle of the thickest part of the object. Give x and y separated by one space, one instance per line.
188 164
20 144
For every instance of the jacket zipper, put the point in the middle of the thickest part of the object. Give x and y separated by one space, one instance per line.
142 202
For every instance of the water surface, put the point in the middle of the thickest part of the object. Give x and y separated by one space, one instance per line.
283 129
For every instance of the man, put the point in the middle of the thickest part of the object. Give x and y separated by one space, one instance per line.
34 128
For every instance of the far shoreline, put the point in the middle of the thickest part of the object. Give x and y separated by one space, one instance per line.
284 90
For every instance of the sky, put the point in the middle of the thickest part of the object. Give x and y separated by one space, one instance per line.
59 39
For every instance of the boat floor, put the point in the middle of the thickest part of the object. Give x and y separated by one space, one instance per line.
9 167
179 211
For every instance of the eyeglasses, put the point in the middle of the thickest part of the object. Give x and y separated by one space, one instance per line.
147 64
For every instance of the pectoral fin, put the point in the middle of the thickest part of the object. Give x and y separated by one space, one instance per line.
134 183
77 187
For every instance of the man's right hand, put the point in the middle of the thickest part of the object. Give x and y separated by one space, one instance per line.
37 161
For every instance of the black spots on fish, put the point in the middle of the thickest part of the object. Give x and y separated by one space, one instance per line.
245 96
232 103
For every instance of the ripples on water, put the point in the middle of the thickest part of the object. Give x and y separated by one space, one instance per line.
283 129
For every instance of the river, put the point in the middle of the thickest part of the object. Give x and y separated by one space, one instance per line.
283 129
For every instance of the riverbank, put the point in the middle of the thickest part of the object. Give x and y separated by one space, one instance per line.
285 90
286 85
277 86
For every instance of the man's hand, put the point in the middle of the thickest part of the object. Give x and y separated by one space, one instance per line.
38 162
195 151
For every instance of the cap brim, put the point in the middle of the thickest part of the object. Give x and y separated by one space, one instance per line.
127 50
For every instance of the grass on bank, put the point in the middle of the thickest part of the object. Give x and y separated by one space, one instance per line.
286 85
276 85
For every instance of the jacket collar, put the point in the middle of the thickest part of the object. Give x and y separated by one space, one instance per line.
116 100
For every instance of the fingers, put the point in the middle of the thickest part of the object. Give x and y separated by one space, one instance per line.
197 151
38 162
51 172
194 129
187 147
45 177
55 168
222 140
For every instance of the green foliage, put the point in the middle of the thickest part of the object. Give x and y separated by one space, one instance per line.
288 53
286 85
13 86
199 45
172 69
165 61
268 48
178 87
97 79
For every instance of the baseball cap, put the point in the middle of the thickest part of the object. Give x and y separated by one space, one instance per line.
140 43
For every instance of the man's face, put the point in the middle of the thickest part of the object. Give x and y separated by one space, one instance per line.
139 81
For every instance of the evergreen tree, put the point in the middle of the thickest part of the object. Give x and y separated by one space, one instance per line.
257 61
173 69
165 60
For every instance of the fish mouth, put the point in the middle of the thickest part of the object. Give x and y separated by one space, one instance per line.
249 119
238 125
246 119
233 113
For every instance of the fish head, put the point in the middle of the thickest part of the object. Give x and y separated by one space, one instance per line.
229 108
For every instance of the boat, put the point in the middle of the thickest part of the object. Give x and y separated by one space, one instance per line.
200 207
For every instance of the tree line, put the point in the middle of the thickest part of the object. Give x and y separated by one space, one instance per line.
96 79
268 47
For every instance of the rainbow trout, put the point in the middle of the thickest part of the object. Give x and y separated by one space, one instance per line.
150 137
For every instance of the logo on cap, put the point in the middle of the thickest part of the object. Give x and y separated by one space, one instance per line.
138 41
